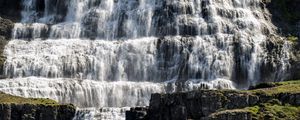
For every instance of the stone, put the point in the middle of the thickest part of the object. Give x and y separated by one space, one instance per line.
6 27
36 112
231 115
137 113
208 105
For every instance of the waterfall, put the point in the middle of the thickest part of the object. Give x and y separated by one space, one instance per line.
107 55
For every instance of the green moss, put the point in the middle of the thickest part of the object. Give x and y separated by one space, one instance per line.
282 87
274 109
292 39
274 112
253 110
8 99
268 111
269 107
229 112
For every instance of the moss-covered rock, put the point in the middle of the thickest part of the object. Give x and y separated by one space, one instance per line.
268 111
291 87
264 111
8 99
19 108
238 114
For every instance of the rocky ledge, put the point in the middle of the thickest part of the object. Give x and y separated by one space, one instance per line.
18 108
264 101
6 27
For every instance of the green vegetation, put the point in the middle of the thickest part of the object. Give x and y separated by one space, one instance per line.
274 109
292 39
14 107
8 99
282 87
270 111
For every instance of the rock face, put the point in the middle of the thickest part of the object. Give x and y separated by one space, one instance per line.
196 105
36 112
10 9
138 113
6 27
206 104
231 115
285 15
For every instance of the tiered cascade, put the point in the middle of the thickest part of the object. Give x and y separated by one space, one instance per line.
115 53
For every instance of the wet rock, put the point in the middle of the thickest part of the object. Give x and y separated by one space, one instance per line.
137 113
6 27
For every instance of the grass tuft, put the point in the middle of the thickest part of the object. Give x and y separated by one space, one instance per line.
10 99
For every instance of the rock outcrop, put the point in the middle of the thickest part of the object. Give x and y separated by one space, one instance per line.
197 104
36 112
231 115
6 27
215 104
19 108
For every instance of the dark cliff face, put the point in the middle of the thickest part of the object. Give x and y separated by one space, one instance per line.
11 9
36 112
285 15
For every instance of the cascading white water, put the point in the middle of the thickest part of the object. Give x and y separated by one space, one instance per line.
115 53
84 93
